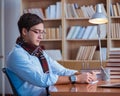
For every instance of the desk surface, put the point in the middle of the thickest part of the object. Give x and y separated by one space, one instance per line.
85 89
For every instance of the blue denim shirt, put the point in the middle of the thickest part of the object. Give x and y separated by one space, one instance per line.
30 73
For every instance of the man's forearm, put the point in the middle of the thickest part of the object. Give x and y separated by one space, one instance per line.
63 80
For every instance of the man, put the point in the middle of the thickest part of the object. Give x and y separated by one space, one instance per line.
35 69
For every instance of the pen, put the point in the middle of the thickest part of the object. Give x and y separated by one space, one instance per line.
93 82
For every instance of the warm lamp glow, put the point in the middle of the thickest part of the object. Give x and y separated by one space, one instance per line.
98 21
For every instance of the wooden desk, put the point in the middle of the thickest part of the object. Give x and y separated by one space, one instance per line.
84 89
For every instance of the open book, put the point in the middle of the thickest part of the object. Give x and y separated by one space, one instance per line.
111 85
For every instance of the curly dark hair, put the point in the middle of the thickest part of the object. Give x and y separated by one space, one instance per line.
28 20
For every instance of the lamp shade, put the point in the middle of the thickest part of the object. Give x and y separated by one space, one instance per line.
98 17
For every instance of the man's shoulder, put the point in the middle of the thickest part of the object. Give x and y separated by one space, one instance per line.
17 51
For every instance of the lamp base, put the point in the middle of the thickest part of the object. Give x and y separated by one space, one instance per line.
105 74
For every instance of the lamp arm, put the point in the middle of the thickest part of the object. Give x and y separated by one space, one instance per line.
99 38
101 65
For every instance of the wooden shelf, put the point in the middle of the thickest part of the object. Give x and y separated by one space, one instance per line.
69 47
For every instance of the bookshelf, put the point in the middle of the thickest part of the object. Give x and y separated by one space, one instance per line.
115 23
73 45
114 35
70 47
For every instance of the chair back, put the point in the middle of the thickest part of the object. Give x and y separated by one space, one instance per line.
15 81
10 75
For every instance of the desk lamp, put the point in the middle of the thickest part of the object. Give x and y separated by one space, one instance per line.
99 18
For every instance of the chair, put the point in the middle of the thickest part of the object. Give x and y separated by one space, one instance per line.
14 82
9 74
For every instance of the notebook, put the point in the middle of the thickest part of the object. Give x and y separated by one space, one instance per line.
113 85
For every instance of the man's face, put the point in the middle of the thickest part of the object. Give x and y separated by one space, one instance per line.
34 35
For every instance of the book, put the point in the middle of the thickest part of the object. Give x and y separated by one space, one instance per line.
80 13
114 60
71 32
114 49
58 10
115 56
115 10
68 12
85 52
76 31
115 76
47 12
87 32
92 10
80 53
73 11
118 8
60 31
115 68
54 54
113 30
115 72
88 10
92 51
113 64
57 35
52 11
117 29
80 33
111 10
83 8
52 31
93 34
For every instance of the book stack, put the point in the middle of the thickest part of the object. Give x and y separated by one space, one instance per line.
53 33
115 29
114 63
74 10
85 52
51 12
37 11
86 32
115 9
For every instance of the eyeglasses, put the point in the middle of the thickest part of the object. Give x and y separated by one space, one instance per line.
38 31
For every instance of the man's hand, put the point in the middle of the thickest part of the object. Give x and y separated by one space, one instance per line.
86 77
